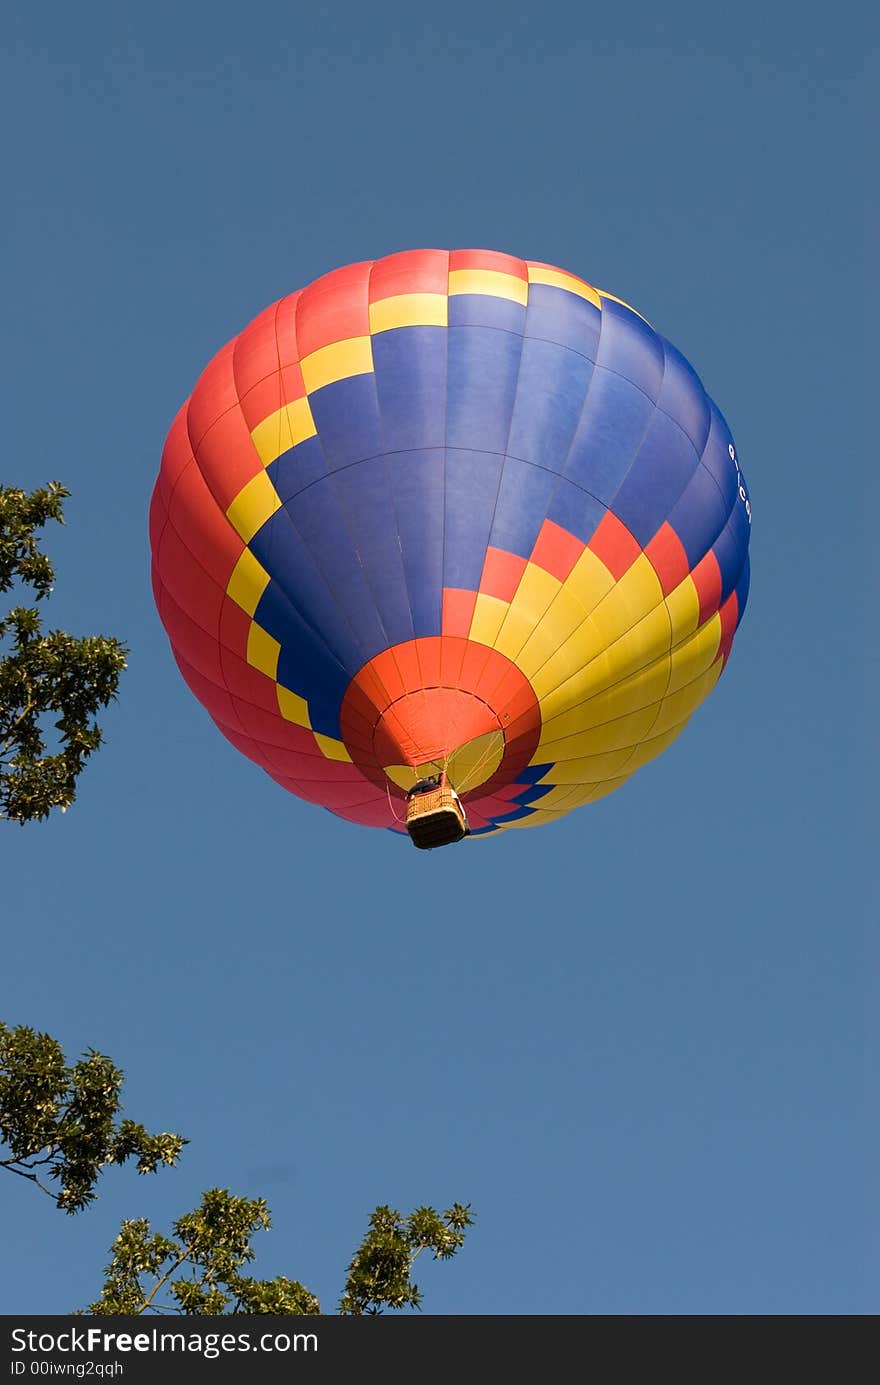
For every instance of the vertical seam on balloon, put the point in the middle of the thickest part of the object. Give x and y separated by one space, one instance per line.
521 336
560 475
228 521
316 565
387 467
660 702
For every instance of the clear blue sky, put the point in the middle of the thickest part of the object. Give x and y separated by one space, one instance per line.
635 1041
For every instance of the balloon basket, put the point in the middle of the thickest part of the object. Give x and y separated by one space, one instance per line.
435 818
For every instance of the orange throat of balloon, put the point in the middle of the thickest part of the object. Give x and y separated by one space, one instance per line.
441 705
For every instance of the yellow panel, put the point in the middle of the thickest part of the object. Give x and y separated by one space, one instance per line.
262 650
476 761
544 643
489 281
570 676
694 655
253 505
293 707
283 430
639 646
489 612
564 281
615 299
535 819
338 361
683 606
592 769
532 598
589 580
680 705
621 734
636 594
593 659
641 689
567 796
334 750
649 750
409 310
247 582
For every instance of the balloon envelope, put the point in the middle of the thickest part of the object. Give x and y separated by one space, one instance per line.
450 511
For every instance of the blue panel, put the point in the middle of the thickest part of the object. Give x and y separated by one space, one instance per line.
482 373
410 370
472 481
297 468
662 468
304 665
282 552
346 415
365 498
522 506
418 483
683 398
556 315
730 549
630 347
513 816
317 516
576 510
482 310
614 421
549 396
534 793
532 774
699 516
717 459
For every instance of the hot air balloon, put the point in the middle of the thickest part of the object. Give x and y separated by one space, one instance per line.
450 542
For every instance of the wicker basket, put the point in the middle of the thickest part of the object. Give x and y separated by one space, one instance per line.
435 818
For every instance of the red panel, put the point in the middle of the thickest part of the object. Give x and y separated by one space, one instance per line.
556 550
255 351
215 700
207 533
452 652
192 588
404 661
333 308
377 814
668 558
380 681
227 458
458 611
214 393
248 683
271 394
158 518
315 768
614 545
197 646
729 617
269 727
488 259
501 574
176 454
234 629
473 665
428 652
707 580
412 271
285 328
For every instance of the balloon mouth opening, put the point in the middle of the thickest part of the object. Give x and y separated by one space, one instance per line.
429 727
439 704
